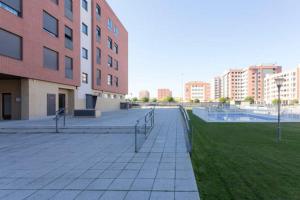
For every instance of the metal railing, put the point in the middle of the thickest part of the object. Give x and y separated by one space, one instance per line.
61 113
188 128
143 126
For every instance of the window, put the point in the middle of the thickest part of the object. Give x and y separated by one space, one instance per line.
11 45
109 43
109 62
109 79
50 59
68 38
84 4
98 12
109 24
12 6
116 48
117 81
68 67
84 77
98 78
116 31
50 24
98 34
98 57
84 28
84 53
116 64
69 9
55 1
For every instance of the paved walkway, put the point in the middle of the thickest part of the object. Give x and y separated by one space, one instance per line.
96 166
116 118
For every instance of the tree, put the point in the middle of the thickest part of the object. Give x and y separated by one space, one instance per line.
154 100
224 100
275 101
169 99
145 99
295 102
196 101
134 99
249 99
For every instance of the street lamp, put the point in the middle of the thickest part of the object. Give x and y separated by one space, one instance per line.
279 82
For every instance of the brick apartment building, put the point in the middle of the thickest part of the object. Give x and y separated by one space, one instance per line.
60 54
144 94
237 84
163 93
197 90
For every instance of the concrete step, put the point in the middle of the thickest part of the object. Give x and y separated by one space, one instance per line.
70 130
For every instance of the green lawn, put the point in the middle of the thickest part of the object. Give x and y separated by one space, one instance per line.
242 160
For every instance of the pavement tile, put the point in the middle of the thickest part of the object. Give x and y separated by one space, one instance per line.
142 184
100 184
113 195
137 195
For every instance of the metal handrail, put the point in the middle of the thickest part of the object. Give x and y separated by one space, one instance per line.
59 114
188 128
147 124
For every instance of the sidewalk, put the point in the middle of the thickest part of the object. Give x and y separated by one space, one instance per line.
96 166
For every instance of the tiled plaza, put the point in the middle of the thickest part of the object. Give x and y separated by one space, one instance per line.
99 166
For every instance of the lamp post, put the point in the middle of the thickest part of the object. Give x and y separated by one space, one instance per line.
279 82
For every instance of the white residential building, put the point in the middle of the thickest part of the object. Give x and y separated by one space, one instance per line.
290 91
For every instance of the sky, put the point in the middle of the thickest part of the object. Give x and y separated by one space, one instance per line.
175 41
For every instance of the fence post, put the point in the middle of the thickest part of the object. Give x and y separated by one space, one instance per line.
64 118
56 124
135 136
145 125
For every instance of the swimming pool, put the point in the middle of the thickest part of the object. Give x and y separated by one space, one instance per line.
238 116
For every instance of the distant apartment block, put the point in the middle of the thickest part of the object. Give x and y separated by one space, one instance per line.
144 94
290 90
60 54
237 84
197 90
163 93
215 88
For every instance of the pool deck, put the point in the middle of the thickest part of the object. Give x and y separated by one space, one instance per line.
98 166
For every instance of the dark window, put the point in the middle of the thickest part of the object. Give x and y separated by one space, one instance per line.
117 81
12 6
50 59
55 1
116 48
10 45
84 4
98 56
109 79
116 64
68 67
98 12
68 38
84 77
98 77
50 24
109 43
110 61
98 34
84 28
85 53
69 9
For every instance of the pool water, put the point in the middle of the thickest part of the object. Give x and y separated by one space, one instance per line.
239 117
